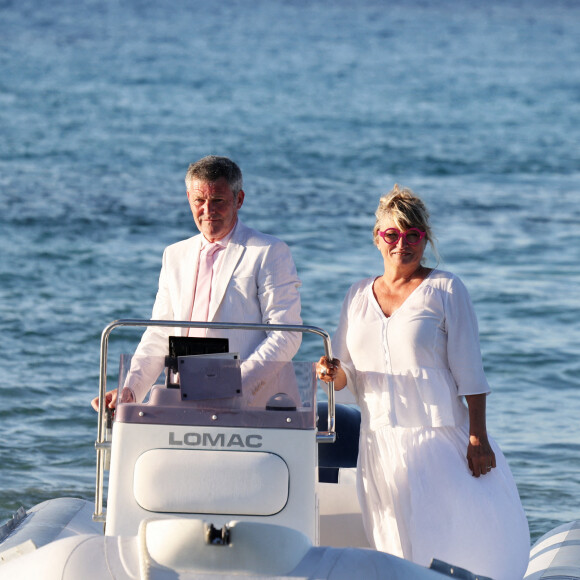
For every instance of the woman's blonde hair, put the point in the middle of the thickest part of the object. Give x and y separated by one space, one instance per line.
406 209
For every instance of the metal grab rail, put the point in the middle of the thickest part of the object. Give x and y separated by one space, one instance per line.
101 445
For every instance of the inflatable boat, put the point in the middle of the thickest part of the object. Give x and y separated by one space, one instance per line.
229 468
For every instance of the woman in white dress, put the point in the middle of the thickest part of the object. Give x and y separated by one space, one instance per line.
431 482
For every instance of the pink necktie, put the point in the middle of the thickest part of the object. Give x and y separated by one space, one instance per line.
203 288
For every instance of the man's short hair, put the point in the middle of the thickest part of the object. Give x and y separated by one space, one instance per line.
213 168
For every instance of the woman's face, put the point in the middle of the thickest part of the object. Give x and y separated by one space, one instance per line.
402 254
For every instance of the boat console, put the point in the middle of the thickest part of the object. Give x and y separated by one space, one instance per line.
220 441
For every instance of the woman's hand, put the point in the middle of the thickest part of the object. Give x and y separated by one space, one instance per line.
330 371
480 455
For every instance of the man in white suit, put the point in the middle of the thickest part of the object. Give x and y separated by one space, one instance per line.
253 279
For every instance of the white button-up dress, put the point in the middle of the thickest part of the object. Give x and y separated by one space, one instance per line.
408 373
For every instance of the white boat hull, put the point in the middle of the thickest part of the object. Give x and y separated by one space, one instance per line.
58 540
217 488
556 554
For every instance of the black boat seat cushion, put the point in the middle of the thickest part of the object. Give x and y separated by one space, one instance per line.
344 451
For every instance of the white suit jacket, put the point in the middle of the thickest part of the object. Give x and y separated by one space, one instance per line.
256 282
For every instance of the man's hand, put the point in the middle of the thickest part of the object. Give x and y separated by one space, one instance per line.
127 396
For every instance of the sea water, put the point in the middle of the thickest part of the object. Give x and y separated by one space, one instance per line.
324 105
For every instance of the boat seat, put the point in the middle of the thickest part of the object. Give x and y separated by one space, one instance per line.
344 451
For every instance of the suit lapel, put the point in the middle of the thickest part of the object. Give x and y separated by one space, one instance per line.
233 254
188 279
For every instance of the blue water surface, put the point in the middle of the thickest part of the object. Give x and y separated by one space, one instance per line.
325 105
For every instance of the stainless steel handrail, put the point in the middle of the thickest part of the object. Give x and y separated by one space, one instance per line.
101 445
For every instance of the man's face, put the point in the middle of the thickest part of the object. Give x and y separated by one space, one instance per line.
214 209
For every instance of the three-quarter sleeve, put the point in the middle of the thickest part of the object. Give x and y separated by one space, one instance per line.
463 348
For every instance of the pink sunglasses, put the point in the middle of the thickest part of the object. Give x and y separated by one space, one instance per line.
412 236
